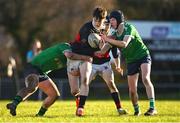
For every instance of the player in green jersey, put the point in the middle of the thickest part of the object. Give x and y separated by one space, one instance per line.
137 57
36 77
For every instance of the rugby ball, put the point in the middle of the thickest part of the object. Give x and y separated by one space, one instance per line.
94 40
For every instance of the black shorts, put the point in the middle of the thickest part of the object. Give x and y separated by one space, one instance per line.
134 67
30 69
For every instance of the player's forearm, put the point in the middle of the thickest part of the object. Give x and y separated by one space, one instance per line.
118 66
105 48
72 55
121 44
117 62
75 56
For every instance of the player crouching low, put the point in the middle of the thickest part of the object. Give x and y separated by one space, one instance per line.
36 77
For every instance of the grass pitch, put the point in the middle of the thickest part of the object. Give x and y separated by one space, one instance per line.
95 111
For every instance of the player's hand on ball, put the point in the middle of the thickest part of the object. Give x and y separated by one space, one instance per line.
101 43
104 38
119 70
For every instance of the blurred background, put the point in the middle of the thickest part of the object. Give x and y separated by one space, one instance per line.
23 22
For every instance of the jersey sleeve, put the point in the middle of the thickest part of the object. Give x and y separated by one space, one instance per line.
130 30
84 33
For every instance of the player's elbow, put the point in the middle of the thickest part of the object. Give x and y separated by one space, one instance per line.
124 44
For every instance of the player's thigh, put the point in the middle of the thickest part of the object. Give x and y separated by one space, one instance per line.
145 71
73 66
85 71
92 75
49 88
73 82
132 81
108 76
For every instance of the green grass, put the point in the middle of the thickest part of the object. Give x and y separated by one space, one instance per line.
95 111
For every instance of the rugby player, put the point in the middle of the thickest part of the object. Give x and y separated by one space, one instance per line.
36 77
102 66
137 57
81 46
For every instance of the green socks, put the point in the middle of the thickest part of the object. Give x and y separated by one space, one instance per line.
17 99
136 108
42 111
152 103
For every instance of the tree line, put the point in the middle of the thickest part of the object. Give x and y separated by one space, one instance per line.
54 21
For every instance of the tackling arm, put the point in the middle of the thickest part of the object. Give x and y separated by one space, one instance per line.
75 56
117 61
105 48
122 44
118 65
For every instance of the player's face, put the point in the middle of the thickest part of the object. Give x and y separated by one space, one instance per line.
113 23
37 46
98 23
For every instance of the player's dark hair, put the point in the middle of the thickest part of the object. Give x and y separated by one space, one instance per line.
107 21
118 15
99 13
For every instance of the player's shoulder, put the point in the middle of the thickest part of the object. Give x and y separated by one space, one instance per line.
129 25
87 25
60 45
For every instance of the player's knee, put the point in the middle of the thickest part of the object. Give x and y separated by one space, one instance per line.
55 94
57 97
146 81
50 100
111 84
85 82
132 91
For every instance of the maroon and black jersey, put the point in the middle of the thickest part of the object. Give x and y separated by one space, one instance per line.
80 45
106 56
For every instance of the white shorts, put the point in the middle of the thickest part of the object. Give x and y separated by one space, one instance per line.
100 69
73 65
